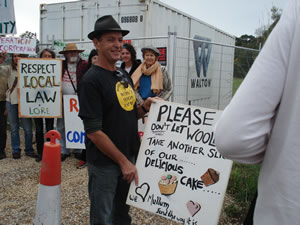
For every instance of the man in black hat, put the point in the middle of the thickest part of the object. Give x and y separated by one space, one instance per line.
109 113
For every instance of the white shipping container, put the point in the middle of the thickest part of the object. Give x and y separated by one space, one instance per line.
201 72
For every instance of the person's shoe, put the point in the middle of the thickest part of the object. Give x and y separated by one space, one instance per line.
31 154
16 155
2 155
64 156
38 158
81 164
78 155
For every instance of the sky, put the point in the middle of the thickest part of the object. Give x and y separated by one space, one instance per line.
236 17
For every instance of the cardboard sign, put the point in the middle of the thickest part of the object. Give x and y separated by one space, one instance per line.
7 17
18 45
74 131
181 174
40 88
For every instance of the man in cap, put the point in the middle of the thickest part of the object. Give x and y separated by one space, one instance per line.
73 69
109 113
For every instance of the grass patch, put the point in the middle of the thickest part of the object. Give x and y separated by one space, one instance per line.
242 184
242 187
236 83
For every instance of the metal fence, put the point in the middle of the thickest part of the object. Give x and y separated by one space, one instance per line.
201 71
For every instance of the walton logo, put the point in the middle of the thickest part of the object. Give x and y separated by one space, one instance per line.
202 52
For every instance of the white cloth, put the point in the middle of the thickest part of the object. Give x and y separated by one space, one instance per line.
262 123
67 87
128 69
12 75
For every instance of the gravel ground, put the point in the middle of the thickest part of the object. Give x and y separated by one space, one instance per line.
19 189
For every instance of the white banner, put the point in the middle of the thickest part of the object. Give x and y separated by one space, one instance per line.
40 88
181 174
18 45
74 130
7 17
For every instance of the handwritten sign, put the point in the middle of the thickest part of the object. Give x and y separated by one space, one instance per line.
18 45
7 17
181 174
40 88
74 131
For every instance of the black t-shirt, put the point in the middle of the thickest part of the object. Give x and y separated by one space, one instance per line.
103 96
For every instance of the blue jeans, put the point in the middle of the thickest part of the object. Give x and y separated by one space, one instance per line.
108 193
13 119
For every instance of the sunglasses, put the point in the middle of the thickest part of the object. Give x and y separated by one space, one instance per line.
124 80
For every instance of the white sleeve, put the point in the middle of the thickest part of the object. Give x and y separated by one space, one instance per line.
243 129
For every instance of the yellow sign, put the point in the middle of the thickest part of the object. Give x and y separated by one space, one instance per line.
125 96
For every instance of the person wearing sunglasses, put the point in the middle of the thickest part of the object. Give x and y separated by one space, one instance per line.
109 112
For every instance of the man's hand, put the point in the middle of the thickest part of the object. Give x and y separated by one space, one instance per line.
129 172
147 103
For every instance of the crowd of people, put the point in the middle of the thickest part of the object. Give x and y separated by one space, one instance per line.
150 79
112 140
258 124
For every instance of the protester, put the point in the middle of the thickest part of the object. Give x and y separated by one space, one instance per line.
261 124
39 127
109 114
3 112
73 69
12 109
93 57
150 78
128 55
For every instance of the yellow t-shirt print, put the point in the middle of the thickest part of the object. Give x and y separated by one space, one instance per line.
125 96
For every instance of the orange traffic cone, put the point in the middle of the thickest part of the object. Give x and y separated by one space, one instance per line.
48 210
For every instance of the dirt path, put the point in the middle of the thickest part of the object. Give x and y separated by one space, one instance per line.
19 189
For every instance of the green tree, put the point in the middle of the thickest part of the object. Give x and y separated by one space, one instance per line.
243 59
275 16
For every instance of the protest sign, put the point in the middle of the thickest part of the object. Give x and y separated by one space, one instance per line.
7 17
141 125
74 131
40 88
181 174
18 45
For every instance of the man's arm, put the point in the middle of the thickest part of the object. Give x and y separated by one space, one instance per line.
107 147
243 130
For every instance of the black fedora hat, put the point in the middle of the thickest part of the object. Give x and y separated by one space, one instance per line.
106 24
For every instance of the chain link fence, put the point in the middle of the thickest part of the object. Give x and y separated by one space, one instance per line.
202 72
